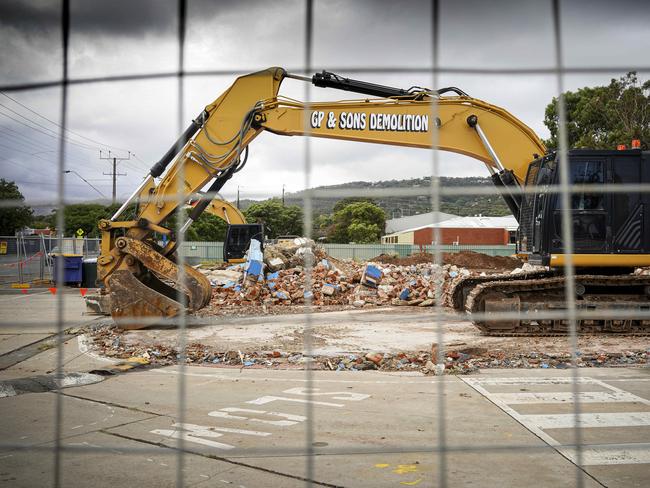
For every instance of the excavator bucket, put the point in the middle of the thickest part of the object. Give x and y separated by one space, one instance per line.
161 292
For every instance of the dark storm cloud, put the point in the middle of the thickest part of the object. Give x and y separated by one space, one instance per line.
99 17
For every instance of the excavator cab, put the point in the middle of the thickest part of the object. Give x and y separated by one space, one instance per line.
609 225
238 240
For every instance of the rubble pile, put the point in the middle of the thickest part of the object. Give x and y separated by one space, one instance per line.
278 278
110 341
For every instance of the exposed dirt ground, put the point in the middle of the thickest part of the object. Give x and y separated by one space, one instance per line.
398 337
464 259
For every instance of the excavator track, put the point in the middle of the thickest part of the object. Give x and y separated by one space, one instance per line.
462 288
530 297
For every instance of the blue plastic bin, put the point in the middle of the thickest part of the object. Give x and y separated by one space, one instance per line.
72 268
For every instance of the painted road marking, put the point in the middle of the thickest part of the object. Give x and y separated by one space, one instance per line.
526 380
202 434
336 395
291 418
588 420
270 398
634 453
196 433
523 398
637 453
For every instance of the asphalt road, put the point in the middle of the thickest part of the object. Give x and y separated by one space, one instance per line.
268 428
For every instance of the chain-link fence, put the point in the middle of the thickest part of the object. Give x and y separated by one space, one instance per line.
447 441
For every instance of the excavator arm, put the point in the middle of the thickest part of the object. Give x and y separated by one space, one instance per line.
145 282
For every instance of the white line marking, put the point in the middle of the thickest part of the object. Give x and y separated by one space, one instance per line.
615 454
76 427
635 453
527 380
6 390
225 413
628 379
340 395
270 398
524 398
175 434
588 420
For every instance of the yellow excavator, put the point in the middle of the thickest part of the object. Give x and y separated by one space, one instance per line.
611 230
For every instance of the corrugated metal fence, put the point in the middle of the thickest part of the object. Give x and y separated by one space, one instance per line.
196 252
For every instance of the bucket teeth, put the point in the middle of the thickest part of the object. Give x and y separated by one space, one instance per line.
136 301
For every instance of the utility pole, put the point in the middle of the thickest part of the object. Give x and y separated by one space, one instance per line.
237 196
114 173
283 194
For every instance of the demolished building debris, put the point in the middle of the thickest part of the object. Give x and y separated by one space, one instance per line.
282 278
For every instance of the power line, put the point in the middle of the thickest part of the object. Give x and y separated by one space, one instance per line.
58 125
18 134
89 184
38 130
58 135
35 155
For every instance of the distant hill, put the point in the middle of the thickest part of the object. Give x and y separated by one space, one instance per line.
463 205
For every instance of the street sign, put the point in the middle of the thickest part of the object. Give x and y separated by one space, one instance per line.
80 232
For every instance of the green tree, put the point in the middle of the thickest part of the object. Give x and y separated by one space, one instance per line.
321 225
360 220
277 219
344 202
207 227
602 117
84 216
363 233
13 218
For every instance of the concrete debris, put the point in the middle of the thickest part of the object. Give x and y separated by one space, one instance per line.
528 268
106 341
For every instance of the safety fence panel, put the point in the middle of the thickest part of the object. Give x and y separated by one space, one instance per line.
27 259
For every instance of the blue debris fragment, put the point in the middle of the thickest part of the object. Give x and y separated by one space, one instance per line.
255 268
308 294
249 363
371 276
272 276
405 294
281 295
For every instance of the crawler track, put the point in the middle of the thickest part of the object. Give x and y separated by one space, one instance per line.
525 301
462 288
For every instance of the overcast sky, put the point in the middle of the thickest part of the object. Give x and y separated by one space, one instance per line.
137 36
